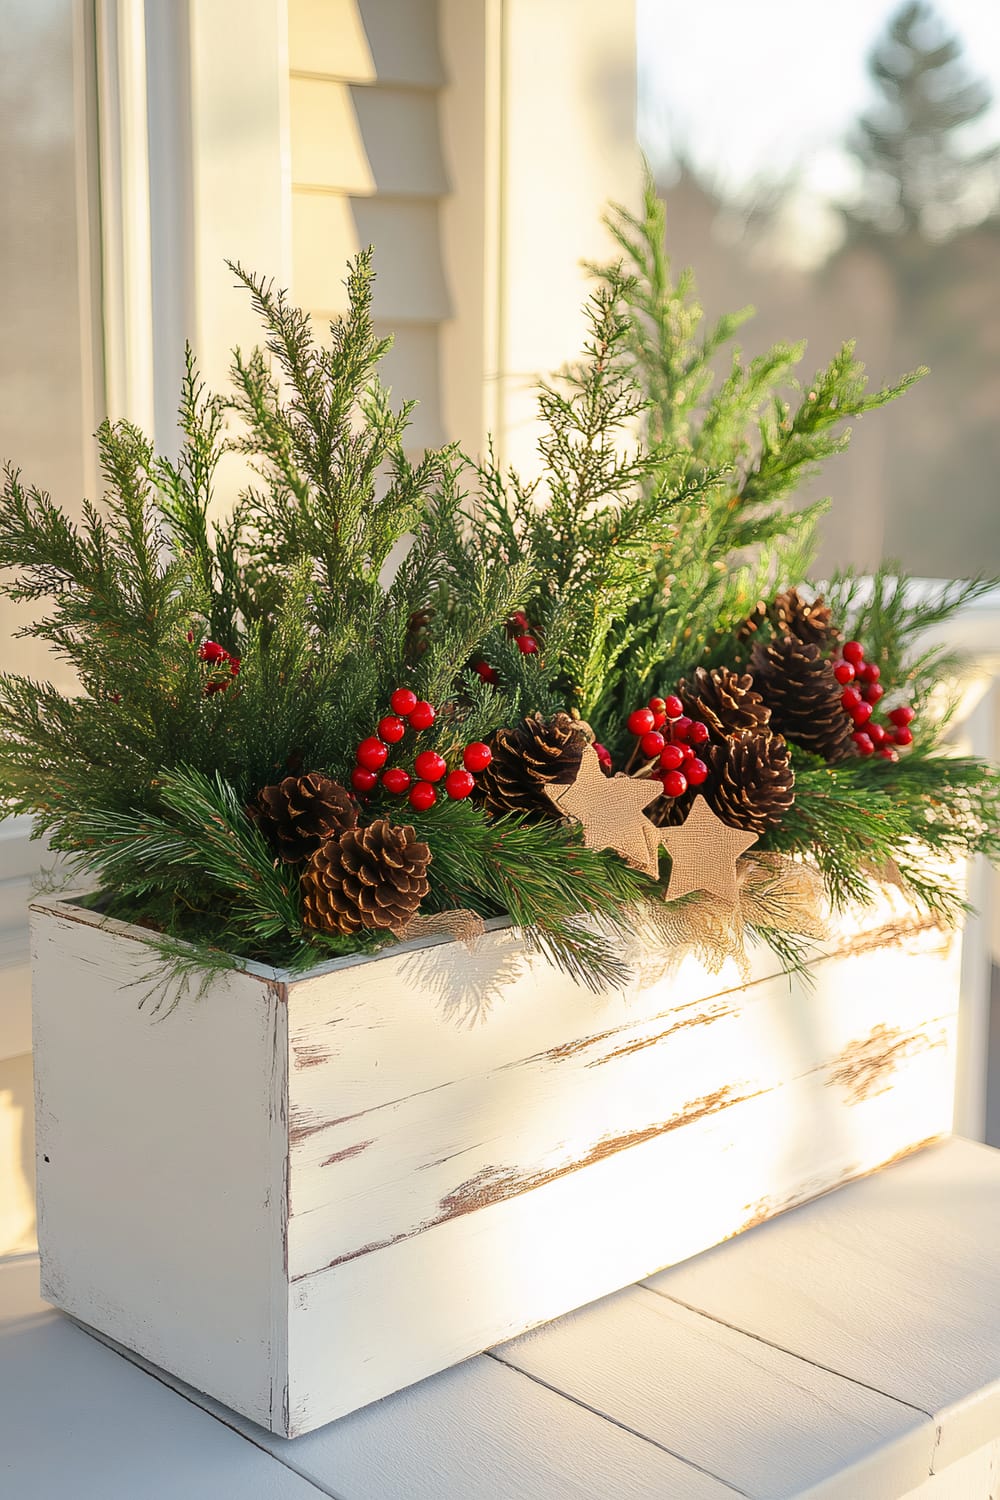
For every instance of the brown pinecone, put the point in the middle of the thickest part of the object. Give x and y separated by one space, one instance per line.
535 753
752 783
725 701
812 624
298 813
755 619
374 876
799 687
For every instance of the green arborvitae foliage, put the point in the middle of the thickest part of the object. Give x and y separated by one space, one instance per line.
216 657
143 775
753 435
603 505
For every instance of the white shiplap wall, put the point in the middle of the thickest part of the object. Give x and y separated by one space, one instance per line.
367 167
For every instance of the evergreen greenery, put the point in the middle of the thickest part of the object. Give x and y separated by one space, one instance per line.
659 519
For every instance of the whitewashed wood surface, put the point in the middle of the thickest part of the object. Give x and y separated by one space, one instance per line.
637 1397
301 1195
160 1149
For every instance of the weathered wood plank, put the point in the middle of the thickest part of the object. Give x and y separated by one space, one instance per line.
762 1421
161 1148
485 1275
451 1148
911 1253
441 1012
77 1420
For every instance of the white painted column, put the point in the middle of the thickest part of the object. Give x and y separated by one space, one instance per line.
539 134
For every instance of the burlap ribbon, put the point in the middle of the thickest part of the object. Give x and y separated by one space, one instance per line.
459 924
775 892
785 895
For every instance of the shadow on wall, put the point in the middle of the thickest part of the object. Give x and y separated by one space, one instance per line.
17 1157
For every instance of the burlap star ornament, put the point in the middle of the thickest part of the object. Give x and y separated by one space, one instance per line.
609 809
703 852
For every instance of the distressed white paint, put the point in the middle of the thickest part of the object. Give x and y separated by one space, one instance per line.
160 1151
393 1163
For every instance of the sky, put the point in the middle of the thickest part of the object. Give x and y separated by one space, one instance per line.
768 87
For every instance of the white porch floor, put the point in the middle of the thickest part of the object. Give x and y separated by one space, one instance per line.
848 1350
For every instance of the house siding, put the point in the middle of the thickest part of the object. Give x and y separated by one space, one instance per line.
367 168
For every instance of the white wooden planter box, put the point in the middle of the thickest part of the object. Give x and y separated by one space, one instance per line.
301 1194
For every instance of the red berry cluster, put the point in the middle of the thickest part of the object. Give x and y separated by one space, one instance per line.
226 666
522 633
862 692
428 766
666 735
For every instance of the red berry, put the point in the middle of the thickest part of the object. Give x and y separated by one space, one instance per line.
850 698
659 718
671 757
363 780
870 672
658 706
696 771
234 665
403 701
873 692
682 727
863 742
422 714
372 754
674 783
486 673
477 756
391 729
527 645
688 752
651 744
854 652
459 784
519 618
212 652
861 714
699 733
844 673
901 716
875 732
396 779
640 721
673 706
430 766
422 796
903 736
603 755
888 753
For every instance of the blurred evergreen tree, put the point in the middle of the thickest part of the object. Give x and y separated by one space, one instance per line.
920 178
